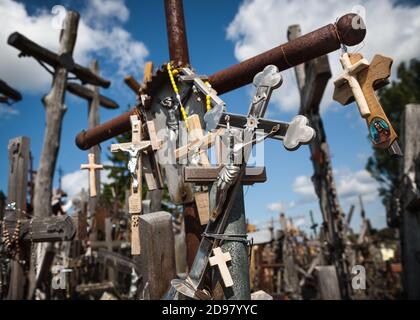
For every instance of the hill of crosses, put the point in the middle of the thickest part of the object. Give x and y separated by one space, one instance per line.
197 184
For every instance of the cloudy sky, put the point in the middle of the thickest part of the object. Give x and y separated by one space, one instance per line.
122 35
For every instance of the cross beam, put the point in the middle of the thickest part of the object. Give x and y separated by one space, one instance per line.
9 92
88 94
317 43
30 48
49 229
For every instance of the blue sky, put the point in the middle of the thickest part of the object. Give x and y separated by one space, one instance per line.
220 33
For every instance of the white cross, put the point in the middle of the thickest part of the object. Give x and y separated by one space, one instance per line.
350 76
92 167
220 258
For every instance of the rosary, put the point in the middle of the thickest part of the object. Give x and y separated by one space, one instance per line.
12 242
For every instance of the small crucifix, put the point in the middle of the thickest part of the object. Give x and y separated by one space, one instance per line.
220 258
370 78
134 149
92 167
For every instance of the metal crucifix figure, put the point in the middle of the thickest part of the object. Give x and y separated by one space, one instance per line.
224 189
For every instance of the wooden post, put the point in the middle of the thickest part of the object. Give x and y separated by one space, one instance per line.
312 78
17 190
54 109
328 283
158 253
410 218
93 121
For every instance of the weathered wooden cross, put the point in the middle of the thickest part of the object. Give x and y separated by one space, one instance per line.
92 167
134 149
312 78
360 85
7 93
62 63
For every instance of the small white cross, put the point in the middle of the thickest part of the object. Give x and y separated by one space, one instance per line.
220 258
350 76
92 166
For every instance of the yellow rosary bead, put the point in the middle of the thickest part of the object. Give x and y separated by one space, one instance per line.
175 88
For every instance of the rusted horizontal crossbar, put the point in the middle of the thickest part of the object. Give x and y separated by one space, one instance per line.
315 44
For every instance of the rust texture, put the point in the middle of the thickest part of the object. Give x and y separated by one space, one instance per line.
307 47
177 36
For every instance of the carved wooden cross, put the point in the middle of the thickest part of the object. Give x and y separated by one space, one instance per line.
370 79
219 259
134 149
92 167
351 70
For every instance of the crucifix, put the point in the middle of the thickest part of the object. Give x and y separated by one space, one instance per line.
322 41
7 93
312 78
359 82
92 167
228 185
62 63
134 150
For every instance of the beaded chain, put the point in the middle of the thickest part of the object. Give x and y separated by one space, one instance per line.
14 241
208 98
175 87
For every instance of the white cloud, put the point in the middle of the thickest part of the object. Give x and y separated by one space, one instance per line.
260 25
99 34
276 207
7 111
349 185
304 187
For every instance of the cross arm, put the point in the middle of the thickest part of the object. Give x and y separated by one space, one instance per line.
206 175
87 94
239 121
9 92
317 43
30 48
50 229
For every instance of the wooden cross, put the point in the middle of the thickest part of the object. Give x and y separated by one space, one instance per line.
198 146
370 79
134 148
312 78
220 258
92 167
351 70
62 62
8 93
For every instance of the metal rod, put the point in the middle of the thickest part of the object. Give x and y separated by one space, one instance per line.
177 35
307 47
288 55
